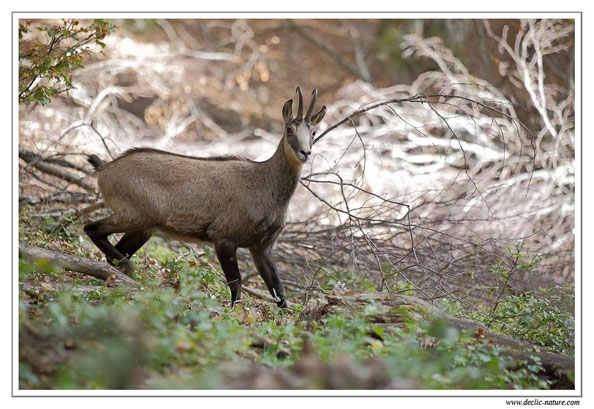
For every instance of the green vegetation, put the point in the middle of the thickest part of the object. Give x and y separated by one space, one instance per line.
538 317
177 332
47 61
163 338
541 317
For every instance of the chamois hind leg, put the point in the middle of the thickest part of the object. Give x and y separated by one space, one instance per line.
227 254
132 242
265 264
98 232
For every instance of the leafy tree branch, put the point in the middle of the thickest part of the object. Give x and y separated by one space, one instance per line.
48 58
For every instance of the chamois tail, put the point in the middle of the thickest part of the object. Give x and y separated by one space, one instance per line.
95 161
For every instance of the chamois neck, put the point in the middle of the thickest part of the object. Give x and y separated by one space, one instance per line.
283 171
285 160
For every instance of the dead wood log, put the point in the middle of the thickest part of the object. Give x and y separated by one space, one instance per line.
41 164
66 197
389 312
67 164
68 262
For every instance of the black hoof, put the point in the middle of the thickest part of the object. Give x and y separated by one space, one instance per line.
126 267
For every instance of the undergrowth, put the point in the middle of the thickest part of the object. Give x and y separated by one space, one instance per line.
542 317
177 332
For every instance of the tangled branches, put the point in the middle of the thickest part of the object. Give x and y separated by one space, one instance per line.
461 180
430 230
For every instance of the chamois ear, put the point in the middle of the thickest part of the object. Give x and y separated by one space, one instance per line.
317 118
288 111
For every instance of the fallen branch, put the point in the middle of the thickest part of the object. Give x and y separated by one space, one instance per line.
67 164
67 197
41 164
35 176
68 262
262 296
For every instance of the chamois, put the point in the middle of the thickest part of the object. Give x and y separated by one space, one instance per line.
228 201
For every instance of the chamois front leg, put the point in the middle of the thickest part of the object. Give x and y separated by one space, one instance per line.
227 254
265 264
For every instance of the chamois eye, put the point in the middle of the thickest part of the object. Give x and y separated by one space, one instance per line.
289 129
313 133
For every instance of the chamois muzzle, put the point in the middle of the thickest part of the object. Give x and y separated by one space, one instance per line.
304 155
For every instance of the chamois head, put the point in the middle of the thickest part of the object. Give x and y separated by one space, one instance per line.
299 131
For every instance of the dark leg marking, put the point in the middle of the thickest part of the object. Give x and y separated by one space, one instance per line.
132 242
267 269
227 254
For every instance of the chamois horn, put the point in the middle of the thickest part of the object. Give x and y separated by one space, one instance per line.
311 106
299 116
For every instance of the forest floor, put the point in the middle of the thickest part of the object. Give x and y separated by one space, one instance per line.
176 330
